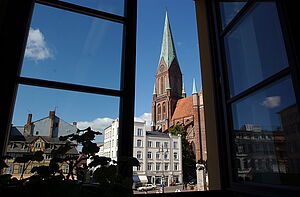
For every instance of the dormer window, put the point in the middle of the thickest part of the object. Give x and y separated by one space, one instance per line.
37 145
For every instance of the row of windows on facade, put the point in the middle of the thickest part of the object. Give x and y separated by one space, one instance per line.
18 169
157 155
14 155
111 133
150 144
36 145
158 167
257 164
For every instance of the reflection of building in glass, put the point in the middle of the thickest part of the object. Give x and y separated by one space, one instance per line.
291 125
259 152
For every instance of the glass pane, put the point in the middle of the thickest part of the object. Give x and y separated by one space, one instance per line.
111 6
73 48
229 10
266 136
40 120
255 48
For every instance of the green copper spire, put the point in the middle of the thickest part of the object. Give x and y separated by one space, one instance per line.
167 52
194 87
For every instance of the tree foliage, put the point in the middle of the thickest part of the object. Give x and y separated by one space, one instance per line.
188 156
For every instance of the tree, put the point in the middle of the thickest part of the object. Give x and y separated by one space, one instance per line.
188 156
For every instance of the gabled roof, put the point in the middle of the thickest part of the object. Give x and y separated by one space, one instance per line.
184 108
167 52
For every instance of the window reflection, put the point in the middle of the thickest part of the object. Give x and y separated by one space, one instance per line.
111 6
73 48
255 48
229 10
266 135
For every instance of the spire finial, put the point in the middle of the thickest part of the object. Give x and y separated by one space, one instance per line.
183 88
194 87
154 89
168 85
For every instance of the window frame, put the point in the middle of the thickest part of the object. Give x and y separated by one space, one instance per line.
223 100
16 28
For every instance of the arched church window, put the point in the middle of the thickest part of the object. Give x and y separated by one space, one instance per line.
162 84
164 114
158 112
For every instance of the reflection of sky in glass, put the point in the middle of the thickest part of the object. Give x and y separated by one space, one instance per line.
73 48
262 108
255 48
229 10
110 6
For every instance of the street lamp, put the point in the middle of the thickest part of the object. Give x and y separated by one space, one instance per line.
161 150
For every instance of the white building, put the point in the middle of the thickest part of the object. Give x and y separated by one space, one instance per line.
159 154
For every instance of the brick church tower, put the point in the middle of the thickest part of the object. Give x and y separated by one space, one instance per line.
168 85
170 106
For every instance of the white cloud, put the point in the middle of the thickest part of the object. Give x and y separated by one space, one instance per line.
98 124
144 117
271 102
36 48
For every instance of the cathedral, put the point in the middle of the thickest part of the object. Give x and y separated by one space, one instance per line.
170 104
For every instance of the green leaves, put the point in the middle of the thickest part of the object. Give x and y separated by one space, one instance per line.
89 148
36 156
130 161
106 175
97 160
62 150
2 162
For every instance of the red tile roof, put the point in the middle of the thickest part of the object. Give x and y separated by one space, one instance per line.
184 108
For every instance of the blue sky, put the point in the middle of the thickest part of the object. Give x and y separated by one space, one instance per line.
78 49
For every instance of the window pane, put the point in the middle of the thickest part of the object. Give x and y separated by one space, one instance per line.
73 48
255 48
266 136
42 115
229 10
111 6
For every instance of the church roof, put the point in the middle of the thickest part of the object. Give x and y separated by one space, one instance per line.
167 52
184 108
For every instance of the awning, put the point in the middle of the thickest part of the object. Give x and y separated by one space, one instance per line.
142 179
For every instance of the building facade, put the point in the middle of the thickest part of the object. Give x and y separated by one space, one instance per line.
41 135
159 154
170 106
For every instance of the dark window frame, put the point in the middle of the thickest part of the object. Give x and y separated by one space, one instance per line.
224 100
16 27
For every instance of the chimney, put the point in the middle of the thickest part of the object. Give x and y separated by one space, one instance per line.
28 126
51 117
29 119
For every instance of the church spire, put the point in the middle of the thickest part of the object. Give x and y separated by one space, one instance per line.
167 52
194 87
183 90
154 89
